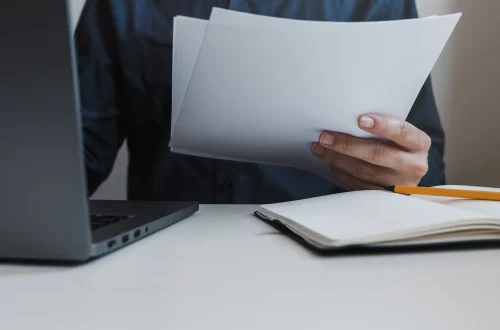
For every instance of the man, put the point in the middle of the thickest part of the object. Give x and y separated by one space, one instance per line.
124 52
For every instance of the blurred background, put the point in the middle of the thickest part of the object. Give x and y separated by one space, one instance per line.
466 82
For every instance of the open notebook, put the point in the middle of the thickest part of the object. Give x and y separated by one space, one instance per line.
377 219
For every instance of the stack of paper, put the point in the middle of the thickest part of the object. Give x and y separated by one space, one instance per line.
261 89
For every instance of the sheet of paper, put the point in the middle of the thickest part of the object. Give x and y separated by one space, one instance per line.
188 36
236 18
264 94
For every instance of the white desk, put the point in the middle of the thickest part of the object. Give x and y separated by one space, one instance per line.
224 269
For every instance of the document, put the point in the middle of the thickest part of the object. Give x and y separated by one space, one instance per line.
188 36
262 89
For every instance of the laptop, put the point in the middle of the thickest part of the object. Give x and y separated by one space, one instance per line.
45 212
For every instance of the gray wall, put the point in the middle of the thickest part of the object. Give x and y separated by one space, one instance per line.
466 84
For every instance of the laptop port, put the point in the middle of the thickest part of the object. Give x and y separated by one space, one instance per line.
125 238
111 244
137 233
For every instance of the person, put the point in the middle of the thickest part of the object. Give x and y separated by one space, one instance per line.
124 55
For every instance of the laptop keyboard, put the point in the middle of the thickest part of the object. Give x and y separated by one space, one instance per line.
104 220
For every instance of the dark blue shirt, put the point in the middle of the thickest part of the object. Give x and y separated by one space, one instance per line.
124 52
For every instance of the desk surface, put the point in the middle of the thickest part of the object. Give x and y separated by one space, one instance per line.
224 269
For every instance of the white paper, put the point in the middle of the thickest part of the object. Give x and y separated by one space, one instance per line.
236 18
188 36
264 92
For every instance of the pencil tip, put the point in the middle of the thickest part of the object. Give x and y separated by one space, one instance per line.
390 188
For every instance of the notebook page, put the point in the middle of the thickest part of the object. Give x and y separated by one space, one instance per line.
484 207
353 215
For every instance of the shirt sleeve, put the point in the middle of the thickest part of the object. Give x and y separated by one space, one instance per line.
424 115
96 44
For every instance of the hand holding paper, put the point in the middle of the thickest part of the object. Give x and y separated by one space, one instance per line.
262 89
361 164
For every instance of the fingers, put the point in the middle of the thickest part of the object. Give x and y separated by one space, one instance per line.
371 163
369 150
361 170
400 132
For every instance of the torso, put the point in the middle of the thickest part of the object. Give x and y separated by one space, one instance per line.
146 50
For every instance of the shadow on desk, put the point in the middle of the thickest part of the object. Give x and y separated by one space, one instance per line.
13 268
9 267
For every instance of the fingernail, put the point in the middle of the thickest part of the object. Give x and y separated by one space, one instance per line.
317 149
327 139
366 122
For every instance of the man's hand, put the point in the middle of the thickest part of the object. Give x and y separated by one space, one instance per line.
362 164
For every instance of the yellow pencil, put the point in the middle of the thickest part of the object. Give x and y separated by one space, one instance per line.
444 192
